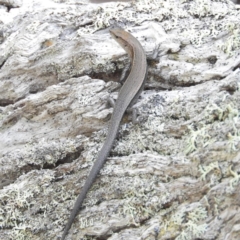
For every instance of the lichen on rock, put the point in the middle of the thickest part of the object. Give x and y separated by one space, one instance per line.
174 175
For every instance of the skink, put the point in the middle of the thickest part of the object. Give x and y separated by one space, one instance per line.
127 97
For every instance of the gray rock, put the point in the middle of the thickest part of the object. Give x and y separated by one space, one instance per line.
175 175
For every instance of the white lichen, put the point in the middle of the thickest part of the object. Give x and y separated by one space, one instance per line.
205 170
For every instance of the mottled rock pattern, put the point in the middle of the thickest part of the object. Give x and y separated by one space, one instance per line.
175 175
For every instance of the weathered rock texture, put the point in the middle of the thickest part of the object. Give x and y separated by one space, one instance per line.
175 175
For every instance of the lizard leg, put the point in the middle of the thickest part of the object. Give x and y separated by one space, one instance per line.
125 72
111 102
134 115
132 111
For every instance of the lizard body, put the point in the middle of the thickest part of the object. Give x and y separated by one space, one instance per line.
127 96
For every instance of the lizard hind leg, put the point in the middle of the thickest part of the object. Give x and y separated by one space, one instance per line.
133 112
134 115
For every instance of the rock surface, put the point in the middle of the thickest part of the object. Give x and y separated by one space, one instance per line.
175 175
